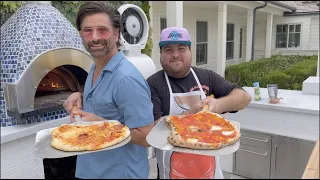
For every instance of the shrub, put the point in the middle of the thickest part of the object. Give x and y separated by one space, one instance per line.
288 72
276 77
300 72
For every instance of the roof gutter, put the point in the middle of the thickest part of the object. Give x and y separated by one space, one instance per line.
286 14
254 27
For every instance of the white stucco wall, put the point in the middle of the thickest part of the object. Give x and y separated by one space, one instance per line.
238 21
314 33
159 10
260 39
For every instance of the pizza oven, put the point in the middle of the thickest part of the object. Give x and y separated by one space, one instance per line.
43 61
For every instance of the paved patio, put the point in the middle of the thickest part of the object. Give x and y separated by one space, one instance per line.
153 168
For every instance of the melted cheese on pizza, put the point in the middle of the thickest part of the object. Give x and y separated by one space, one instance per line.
192 140
227 133
215 128
93 134
203 127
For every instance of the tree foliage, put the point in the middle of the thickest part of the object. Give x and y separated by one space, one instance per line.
69 9
7 8
10 6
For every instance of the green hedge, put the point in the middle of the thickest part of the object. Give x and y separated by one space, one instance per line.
288 72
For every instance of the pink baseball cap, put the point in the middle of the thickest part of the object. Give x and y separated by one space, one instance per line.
174 35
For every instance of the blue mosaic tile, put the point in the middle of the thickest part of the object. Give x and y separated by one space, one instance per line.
31 31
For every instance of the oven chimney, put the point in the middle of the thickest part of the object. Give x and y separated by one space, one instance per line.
39 2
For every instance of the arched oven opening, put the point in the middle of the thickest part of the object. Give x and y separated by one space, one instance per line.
54 88
57 85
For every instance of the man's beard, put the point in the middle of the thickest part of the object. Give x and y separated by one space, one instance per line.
176 72
108 46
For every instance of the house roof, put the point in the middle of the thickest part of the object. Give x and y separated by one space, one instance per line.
279 3
302 6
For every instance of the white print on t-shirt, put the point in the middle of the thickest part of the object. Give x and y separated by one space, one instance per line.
204 87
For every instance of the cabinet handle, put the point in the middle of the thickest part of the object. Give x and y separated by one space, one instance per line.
265 141
275 159
265 154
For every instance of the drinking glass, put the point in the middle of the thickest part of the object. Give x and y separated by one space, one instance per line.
272 90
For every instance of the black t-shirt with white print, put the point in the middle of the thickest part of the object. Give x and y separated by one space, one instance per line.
211 83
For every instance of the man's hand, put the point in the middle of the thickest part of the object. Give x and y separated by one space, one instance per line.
196 107
85 116
214 105
237 100
73 100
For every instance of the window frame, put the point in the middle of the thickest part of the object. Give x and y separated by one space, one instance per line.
240 42
230 41
204 42
162 17
288 35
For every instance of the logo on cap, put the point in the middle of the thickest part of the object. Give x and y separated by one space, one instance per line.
175 35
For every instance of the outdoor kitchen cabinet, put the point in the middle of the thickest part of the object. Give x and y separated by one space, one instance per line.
268 156
289 157
253 159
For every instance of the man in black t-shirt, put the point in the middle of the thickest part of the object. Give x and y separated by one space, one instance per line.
182 89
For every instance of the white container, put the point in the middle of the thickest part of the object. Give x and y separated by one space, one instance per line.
311 86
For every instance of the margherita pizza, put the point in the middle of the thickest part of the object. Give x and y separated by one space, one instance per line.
85 137
204 130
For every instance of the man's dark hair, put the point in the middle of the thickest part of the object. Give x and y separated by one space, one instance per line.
95 7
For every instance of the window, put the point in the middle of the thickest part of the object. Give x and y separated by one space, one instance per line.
288 35
202 42
163 23
230 41
240 48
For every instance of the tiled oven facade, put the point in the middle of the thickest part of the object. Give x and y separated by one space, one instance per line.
31 31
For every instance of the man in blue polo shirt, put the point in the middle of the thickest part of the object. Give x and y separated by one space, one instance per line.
114 89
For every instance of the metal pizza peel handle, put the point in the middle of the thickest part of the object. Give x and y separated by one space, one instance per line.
206 107
77 117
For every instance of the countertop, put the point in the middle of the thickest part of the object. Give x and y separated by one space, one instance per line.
293 100
286 132
11 133
312 168
293 106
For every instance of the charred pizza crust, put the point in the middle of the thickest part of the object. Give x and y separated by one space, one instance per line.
175 139
69 137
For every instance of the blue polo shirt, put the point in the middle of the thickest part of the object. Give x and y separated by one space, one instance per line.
120 93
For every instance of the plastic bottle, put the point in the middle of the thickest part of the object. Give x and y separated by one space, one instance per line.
256 87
